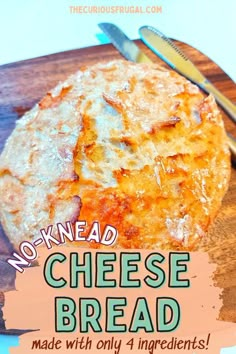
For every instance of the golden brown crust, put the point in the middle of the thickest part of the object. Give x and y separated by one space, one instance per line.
122 143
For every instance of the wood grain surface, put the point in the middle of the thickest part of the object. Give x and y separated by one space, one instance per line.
24 83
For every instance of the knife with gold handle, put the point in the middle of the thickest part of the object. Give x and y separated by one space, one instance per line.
172 55
177 60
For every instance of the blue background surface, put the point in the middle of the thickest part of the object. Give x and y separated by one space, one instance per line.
6 342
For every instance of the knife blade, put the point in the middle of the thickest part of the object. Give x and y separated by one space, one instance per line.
172 55
123 44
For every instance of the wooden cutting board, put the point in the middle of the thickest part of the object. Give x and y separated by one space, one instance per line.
24 83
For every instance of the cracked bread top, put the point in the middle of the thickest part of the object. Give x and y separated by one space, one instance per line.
132 145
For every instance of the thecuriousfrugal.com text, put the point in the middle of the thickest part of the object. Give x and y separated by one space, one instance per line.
95 9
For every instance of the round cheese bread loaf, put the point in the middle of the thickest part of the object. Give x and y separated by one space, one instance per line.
135 146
